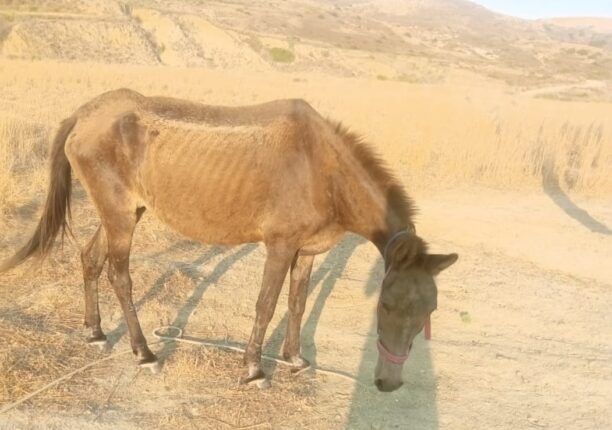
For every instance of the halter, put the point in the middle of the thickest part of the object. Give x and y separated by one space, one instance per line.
389 356
385 354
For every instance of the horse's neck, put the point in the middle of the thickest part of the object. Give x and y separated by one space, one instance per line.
368 210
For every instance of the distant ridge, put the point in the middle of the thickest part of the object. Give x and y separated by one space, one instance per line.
597 24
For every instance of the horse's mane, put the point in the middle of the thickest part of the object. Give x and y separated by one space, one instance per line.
379 171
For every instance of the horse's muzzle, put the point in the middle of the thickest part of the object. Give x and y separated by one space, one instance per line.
386 386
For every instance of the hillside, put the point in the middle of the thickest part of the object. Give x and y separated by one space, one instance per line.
413 41
593 24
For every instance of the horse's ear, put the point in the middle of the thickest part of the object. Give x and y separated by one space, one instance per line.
405 250
435 263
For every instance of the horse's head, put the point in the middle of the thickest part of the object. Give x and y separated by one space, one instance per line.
408 297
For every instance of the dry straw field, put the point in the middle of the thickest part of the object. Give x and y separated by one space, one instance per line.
500 129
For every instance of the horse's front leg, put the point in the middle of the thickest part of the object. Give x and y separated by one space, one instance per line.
298 290
278 261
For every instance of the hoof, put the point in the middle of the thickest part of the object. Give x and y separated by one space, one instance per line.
263 384
153 366
298 365
99 341
257 377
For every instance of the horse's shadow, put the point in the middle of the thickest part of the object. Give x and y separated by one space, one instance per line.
189 270
182 317
552 188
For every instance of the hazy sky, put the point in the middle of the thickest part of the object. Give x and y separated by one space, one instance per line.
549 8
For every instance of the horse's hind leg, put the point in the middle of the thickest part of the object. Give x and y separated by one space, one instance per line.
120 229
298 290
93 257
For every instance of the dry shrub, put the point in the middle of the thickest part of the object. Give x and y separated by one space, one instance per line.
281 55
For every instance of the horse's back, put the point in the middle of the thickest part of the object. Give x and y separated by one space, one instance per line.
217 174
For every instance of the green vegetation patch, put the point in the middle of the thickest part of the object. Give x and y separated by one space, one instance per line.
281 55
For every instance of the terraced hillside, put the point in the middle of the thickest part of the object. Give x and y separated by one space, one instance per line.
412 41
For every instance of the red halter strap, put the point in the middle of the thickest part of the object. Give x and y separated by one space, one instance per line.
387 355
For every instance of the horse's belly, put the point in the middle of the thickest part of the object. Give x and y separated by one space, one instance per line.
212 225
208 210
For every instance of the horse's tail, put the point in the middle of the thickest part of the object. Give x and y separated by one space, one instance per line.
56 213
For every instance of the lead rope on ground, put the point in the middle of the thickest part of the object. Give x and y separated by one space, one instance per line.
179 338
164 338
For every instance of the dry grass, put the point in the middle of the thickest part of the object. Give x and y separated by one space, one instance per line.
39 343
523 155
214 375
23 149
433 136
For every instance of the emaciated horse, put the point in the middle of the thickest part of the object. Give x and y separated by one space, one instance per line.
277 173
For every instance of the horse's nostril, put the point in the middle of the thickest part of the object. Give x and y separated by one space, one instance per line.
385 386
